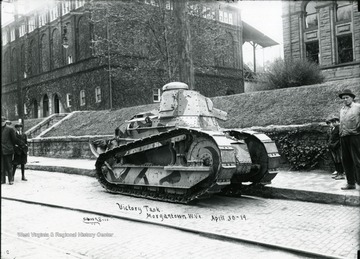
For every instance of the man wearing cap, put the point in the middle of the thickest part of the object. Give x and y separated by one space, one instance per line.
334 145
350 138
8 141
20 154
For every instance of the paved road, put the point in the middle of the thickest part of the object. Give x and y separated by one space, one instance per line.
35 231
322 228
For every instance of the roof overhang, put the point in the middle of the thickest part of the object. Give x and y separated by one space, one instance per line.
252 34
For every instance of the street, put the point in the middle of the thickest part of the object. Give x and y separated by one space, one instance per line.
320 228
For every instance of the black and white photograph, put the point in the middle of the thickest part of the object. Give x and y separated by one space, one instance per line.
180 129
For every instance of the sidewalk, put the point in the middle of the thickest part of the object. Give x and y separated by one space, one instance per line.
311 186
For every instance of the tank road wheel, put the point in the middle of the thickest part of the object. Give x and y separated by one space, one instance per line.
205 152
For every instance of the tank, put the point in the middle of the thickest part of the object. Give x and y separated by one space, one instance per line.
179 153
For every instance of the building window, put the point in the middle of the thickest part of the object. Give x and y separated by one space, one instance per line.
79 3
12 34
97 94
311 20
230 18
4 38
345 49
82 97
66 7
312 51
68 100
32 24
70 59
221 16
22 30
226 18
169 5
343 11
156 95
42 19
54 13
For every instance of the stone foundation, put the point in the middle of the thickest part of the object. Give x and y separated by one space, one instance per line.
314 134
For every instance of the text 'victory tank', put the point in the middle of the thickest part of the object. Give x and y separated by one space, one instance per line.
180 153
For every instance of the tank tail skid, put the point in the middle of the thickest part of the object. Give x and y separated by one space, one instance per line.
264 155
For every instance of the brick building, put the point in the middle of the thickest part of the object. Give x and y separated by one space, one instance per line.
56 58
326 32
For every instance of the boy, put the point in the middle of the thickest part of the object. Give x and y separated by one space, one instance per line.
334 146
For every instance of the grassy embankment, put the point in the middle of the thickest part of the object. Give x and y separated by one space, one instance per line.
300 105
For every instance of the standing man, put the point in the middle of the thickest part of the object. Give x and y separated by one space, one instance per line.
20 155
8 141
350 138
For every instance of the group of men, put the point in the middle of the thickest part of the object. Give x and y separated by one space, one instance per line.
13 151
344 141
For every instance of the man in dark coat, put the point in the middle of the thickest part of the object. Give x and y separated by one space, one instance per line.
334 145
20 155
8 141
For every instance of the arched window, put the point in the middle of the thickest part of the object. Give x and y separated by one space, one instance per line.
56 104
33 59
56 49
343 11
35 109
311 20
5 67
45 106
44 53
84 38
13 65
22 61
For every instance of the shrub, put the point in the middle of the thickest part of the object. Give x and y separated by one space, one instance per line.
299 150
291 73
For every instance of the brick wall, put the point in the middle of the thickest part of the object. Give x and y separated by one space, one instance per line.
65 147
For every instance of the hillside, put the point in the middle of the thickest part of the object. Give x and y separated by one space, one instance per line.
298 105
289 106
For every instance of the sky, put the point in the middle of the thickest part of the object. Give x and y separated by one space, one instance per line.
265 16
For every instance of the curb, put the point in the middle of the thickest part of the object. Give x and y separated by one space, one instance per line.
302 195
254 190
62 169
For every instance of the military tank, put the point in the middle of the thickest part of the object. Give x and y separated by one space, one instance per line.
179 153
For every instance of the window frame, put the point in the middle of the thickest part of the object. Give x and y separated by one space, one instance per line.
12 34
98 94
308 14
343 6
338 60
69 100
318 51
156 95
82 98
31 24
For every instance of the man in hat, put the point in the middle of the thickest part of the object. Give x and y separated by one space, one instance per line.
350 138
8 141
20 154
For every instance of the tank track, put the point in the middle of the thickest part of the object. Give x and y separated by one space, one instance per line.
145 192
